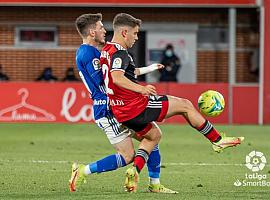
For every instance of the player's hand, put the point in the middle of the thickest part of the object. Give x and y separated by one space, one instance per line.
160 66
149 90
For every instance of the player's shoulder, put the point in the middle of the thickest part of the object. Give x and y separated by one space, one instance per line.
87 50
86 47
113 48
120 60
87 53
120 54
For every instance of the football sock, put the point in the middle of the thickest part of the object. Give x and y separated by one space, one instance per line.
153 165
140 159
209 131
106 164
154 180
92 166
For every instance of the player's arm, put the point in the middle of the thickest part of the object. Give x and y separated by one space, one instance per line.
120 80
120 62
148 69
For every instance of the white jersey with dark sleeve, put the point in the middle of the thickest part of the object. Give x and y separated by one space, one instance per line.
121 60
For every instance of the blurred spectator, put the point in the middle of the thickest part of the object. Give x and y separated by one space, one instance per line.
255 54
47 75
70 75
172 65
3 77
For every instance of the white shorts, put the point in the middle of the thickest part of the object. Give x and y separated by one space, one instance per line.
115 131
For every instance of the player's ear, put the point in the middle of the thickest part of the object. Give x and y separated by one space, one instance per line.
124 33
91 32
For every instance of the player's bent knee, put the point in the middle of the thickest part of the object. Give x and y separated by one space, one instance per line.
154 135
179 105
189 104
158 137
128 156
185 104
126 150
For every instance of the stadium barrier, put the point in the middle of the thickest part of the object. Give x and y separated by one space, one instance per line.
70 102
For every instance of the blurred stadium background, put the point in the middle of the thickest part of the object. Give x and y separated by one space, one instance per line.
223 45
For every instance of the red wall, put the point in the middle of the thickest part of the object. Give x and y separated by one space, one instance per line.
70 102
245 105
50 102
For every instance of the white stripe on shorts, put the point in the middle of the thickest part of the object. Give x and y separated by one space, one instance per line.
154 105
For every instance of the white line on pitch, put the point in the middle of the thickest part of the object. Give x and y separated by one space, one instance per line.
203 164
168 164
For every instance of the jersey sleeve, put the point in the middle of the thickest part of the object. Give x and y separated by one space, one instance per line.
120 61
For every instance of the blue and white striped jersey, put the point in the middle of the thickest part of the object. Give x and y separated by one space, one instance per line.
87 60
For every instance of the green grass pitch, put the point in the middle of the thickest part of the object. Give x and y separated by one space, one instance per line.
35 162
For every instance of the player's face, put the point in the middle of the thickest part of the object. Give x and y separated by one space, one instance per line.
100 33
132 36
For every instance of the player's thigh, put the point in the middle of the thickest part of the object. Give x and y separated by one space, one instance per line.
155 129
178 106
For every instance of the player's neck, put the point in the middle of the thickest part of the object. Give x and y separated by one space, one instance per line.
88 41
120 41
92 43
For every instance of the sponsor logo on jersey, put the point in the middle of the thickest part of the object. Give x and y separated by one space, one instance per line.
96 64
117 102
117 63
100 102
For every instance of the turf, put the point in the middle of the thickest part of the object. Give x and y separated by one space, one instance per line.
35 161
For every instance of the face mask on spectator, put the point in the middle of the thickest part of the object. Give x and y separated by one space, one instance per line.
168 53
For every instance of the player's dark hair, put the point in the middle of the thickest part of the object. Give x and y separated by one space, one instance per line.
86 21
124 19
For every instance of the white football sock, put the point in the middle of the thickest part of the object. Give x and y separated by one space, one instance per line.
87 170
154 180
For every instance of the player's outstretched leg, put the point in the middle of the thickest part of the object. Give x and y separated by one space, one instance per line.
179 106
79 171
219 140
112 162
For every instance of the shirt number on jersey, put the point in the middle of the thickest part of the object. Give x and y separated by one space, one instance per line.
105 71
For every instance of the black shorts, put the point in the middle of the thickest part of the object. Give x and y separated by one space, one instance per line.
155 110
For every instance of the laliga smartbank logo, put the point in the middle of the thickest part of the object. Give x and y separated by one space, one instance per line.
255 162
